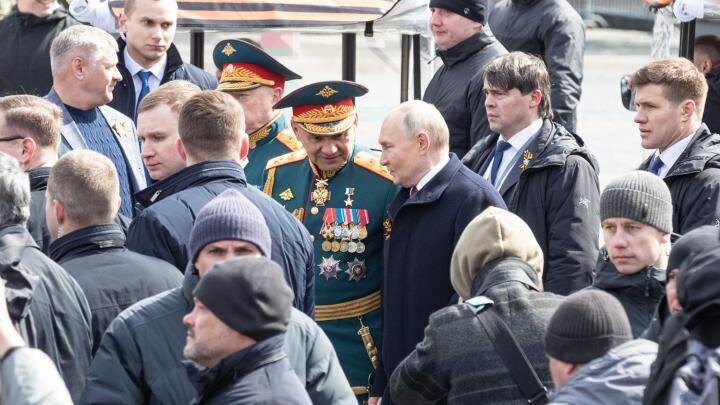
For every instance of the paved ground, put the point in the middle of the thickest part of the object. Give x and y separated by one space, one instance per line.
606 126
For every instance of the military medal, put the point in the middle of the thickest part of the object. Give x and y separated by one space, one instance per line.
360 248
335 246
349 192
352 247
329 267
356 270
326 246
321 194
344 246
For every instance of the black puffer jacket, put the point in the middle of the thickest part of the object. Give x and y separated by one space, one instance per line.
259 374
162 229
112 277
25 51
36 222
638 293
60 312
124 93
553 30
558 195
694 183
712 104
456 89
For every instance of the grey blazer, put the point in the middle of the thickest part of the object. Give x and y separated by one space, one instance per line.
122 126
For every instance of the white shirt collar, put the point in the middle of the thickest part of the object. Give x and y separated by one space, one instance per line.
670 155
434 171
133 67
524 135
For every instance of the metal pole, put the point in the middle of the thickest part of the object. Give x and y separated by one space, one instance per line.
197 51
417 91
404 67
348 56
687 40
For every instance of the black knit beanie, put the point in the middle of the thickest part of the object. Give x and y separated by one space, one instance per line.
697 241
585 326
471 9
640 196
229 216
249 294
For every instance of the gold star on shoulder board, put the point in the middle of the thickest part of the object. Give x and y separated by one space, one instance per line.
348 202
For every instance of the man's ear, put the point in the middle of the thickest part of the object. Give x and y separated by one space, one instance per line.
277 94
181 150
244 146
59 211
29 150
689 108
122 22
535 98
424 142
78 67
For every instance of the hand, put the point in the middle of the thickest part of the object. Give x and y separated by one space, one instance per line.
9 337
375 401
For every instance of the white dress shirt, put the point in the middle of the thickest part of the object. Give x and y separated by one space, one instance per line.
156 71
670 155
516 143
432 173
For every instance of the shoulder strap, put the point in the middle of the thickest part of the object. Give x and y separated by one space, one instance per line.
513 357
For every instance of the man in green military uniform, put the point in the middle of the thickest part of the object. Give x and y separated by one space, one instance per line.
257 81
340 192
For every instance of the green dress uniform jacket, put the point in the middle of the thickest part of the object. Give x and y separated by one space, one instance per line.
270 141
344 212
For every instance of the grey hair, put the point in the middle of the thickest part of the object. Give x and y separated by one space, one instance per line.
15 192
87 39
418 116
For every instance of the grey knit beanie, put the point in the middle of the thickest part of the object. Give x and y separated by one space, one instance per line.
640 196
249 294
585 326
229 216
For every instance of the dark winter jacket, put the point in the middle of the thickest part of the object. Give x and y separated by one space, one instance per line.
25 51
140 356
456 89
694 183
554 31
59 310
36 222
712 104
445 367
421 238
558 196
257 375
170 206
124 99
662 313
112 277
638 293
619 377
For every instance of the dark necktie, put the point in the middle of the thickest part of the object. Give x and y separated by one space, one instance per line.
144 75
655 165
500 148
413 191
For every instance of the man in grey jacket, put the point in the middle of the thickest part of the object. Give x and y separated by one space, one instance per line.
593 358
130 367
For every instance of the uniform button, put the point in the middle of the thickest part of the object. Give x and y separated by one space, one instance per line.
312 238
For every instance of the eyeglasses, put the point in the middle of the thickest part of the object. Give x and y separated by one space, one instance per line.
11 138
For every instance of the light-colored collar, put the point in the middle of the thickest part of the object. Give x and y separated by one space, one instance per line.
133 67
524 135
670 155
434 171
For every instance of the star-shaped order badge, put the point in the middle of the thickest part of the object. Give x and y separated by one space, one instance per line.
356 270
329 267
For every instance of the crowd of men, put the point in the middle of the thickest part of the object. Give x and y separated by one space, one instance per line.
169 236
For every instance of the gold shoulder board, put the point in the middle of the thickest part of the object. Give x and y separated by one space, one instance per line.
372 163
285 159
287 138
